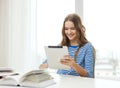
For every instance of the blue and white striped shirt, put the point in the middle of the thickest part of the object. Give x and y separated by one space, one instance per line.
85 58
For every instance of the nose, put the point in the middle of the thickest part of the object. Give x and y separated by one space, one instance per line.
69 31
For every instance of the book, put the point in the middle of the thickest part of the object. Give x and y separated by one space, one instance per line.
6 69
34 78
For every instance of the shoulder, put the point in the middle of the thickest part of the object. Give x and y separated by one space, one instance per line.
88 45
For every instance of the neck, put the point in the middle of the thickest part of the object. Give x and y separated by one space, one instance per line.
73 43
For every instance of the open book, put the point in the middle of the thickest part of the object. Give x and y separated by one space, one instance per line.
34 78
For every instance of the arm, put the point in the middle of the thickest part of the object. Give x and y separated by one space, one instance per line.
90 61
88 69
43 65
70 62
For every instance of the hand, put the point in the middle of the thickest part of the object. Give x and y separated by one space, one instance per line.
43 66
67 60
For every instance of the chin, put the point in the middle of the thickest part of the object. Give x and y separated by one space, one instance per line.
71 39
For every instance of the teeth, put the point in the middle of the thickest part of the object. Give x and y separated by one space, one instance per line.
70 35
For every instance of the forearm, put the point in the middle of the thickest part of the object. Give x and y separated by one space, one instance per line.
80 70
42 66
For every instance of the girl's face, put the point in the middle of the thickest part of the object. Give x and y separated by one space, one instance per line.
70 31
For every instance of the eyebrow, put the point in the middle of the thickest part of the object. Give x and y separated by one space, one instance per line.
70 27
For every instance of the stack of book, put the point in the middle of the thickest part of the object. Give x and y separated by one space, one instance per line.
6 69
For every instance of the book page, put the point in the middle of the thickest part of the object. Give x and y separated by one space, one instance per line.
34 78
10 80
37 78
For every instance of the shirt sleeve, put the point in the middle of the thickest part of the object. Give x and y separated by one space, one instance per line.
89 61
44 62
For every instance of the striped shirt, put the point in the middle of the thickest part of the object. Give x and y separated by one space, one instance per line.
85 58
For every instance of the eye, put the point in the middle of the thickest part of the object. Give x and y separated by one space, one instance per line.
66 28
72 28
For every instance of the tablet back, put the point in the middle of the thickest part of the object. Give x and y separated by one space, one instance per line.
54 54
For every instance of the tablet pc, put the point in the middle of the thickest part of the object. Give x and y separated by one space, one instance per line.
54 54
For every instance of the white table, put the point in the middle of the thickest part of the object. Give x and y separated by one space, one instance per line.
79 82
82 82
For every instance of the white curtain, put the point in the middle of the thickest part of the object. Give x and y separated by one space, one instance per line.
18 34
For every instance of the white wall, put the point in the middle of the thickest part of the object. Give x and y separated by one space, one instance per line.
79 8
50 17
18 29
18 34
3 30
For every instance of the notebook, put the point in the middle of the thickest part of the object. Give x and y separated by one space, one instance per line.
54 54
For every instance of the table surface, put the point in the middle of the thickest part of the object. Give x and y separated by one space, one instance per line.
63 81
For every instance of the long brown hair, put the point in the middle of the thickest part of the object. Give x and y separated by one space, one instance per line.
78 26
80 32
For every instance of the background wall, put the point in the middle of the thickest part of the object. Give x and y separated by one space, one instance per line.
3 29
23 24
79 8
18 37
18 34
